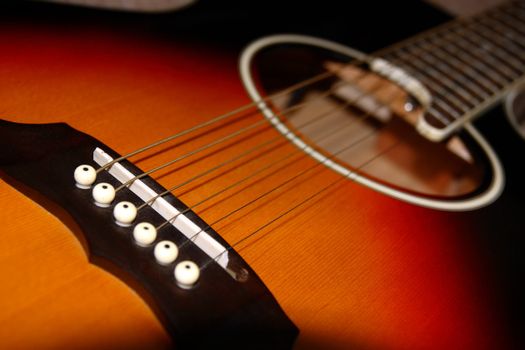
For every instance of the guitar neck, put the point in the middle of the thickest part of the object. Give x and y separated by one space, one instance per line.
468 64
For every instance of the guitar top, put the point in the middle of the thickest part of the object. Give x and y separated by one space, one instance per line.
267 232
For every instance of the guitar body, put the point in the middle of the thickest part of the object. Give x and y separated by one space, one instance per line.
352 269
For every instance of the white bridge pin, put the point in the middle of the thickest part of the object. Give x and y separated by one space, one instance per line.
125 213
186 274
85 175
103 194
144 234
166 252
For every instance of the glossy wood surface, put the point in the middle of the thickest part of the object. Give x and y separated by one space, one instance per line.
352 268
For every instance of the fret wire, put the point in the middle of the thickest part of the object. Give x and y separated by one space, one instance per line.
444 82
250 235
458 22
518 70
514 6
446 107
451 82
451 87
509 16
442 67
448 95
487 34
480 42
433 112
496 66
437 67
430 77
507 21
451 96
461 21
500 64
503 28
431 31
489 47
473 71
439 113
437 92
480 64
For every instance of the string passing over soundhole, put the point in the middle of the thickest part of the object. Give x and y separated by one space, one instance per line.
460 172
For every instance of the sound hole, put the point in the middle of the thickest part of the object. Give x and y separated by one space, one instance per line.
366 124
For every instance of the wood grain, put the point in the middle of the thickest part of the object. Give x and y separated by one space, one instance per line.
352 268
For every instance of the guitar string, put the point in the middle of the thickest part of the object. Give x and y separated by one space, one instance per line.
513 37
298 205
452 31
266 224
352 175
455 45
290 89
444 82
292 208
318 119
246 107
276 188
441 87
281 185
459 40
445 37
260 170
450 67
230 136
437 30
137 152
362 94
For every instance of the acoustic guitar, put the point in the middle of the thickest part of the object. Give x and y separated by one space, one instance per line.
157 192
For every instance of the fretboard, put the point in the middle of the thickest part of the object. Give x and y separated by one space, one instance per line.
467 64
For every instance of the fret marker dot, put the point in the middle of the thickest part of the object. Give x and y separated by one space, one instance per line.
85 175
166 252
186 274
144 234
103 194
125 213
